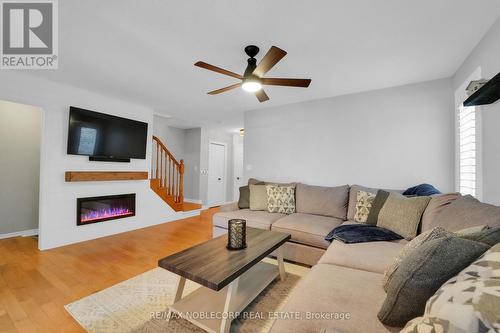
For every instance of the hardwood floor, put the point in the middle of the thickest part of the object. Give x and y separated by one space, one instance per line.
35 285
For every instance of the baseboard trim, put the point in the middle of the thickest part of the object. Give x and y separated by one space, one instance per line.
193 200
24 233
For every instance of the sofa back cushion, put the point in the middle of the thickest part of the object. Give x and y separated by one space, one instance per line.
319 200
466 212
253 181
435 206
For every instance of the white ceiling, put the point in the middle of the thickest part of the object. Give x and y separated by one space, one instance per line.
144 51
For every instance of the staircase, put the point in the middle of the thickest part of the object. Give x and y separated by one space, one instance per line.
167 178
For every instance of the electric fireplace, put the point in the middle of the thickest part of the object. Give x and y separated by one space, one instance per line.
105 208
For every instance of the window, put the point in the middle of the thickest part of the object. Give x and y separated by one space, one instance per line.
467 151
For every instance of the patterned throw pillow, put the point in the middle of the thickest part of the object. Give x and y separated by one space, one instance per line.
280 199
364 201
426 236
468 302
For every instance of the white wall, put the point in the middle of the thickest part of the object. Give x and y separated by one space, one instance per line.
57 220
192 164
391 138
174 138
485 59
20 133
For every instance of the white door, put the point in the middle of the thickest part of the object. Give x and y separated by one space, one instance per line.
216 174
237 165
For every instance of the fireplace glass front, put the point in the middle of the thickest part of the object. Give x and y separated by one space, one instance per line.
105 208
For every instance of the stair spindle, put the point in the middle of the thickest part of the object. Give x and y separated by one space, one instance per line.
168 175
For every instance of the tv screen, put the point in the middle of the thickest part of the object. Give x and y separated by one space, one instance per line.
102 135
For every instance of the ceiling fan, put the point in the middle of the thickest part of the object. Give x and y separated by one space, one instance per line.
252 80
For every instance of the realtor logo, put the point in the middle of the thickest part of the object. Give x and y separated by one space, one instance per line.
29 34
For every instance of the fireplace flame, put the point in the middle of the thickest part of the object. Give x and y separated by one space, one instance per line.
104 214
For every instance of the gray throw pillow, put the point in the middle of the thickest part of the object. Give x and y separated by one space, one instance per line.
402 215
244 201
488 236
422 273
414 244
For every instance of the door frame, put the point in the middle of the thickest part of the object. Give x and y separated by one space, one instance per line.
238 183
210 203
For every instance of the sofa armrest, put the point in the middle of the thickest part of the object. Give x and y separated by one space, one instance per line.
230 207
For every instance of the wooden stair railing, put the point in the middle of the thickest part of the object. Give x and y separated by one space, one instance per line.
167 175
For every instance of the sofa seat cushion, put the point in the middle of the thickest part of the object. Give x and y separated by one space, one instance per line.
331 289
371 256
307 229
255 218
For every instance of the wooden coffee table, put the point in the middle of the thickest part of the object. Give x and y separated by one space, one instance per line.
230 279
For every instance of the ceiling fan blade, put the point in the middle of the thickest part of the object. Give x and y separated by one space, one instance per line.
271 58
304 83
261 95
217 69
221 90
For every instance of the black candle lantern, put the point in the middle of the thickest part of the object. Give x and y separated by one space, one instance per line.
237 234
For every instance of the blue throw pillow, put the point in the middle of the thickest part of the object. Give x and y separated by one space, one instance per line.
361 233
422 190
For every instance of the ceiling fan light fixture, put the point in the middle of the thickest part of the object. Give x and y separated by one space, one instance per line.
251 86
253 79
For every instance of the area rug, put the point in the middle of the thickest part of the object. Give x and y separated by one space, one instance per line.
140 304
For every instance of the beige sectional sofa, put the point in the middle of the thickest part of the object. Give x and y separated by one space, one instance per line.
346 279
319 210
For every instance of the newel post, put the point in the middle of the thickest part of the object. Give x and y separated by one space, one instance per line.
181 182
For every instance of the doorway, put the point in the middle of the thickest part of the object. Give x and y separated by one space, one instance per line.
217 157
20 144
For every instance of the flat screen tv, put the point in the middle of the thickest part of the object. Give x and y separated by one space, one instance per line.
104 137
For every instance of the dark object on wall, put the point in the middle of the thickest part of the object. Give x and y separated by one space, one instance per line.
422 190
487 94
103 137
236 235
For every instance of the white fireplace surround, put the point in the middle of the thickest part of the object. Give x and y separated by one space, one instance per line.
57 210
